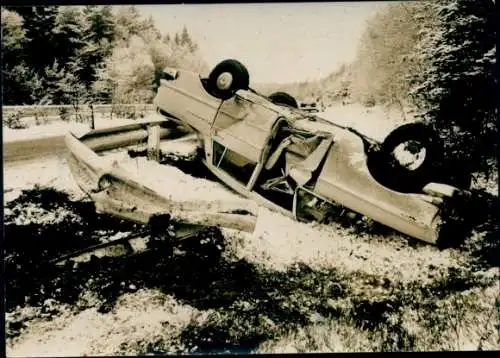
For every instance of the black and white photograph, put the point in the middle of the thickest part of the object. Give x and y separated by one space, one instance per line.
250 178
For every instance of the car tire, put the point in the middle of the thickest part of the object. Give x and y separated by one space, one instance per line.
283 98
226 78
389 172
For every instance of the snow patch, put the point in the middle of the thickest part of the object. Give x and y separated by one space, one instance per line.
34 214
144 316
174 183
279 242
375 122
50 172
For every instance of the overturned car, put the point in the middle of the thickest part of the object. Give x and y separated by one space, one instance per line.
269 151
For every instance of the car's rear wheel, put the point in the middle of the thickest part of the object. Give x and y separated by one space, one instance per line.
283 98
226 78
410 157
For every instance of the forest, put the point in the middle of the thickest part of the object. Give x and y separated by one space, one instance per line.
440 59
87 54
437 59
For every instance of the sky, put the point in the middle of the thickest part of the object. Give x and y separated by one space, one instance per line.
277 42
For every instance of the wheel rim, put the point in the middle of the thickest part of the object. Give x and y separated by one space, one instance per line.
224 81
410 155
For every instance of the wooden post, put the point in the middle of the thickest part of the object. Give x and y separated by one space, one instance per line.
153 151
92 119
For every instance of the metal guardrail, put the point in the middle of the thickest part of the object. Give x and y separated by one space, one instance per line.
119 192
46 110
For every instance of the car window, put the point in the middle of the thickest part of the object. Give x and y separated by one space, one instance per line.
234 164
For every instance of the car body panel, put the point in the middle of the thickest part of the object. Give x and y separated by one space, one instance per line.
245 123
251 144
346 165
346 179
243 190
302 171
247 134
188 101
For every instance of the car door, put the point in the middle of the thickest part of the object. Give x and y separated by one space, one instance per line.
240 134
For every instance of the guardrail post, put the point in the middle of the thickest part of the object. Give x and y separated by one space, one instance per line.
92 119
153 151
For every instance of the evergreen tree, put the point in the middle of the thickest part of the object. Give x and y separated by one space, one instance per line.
185 40
99 28
127 22
149 32
13 34
14 72
384 56
21 85
68 34
456 91
39 22
51 77
100 23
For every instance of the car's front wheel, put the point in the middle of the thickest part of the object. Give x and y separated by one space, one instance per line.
226 78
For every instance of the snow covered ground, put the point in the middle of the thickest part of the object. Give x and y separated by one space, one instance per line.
278 245
49 173
275 235
375 122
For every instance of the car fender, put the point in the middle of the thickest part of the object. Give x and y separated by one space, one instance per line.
346 179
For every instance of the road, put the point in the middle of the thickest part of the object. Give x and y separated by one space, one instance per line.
29 150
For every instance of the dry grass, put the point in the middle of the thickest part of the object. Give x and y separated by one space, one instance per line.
462 321
330 337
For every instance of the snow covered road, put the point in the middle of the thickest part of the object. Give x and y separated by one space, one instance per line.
31 149
47 140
